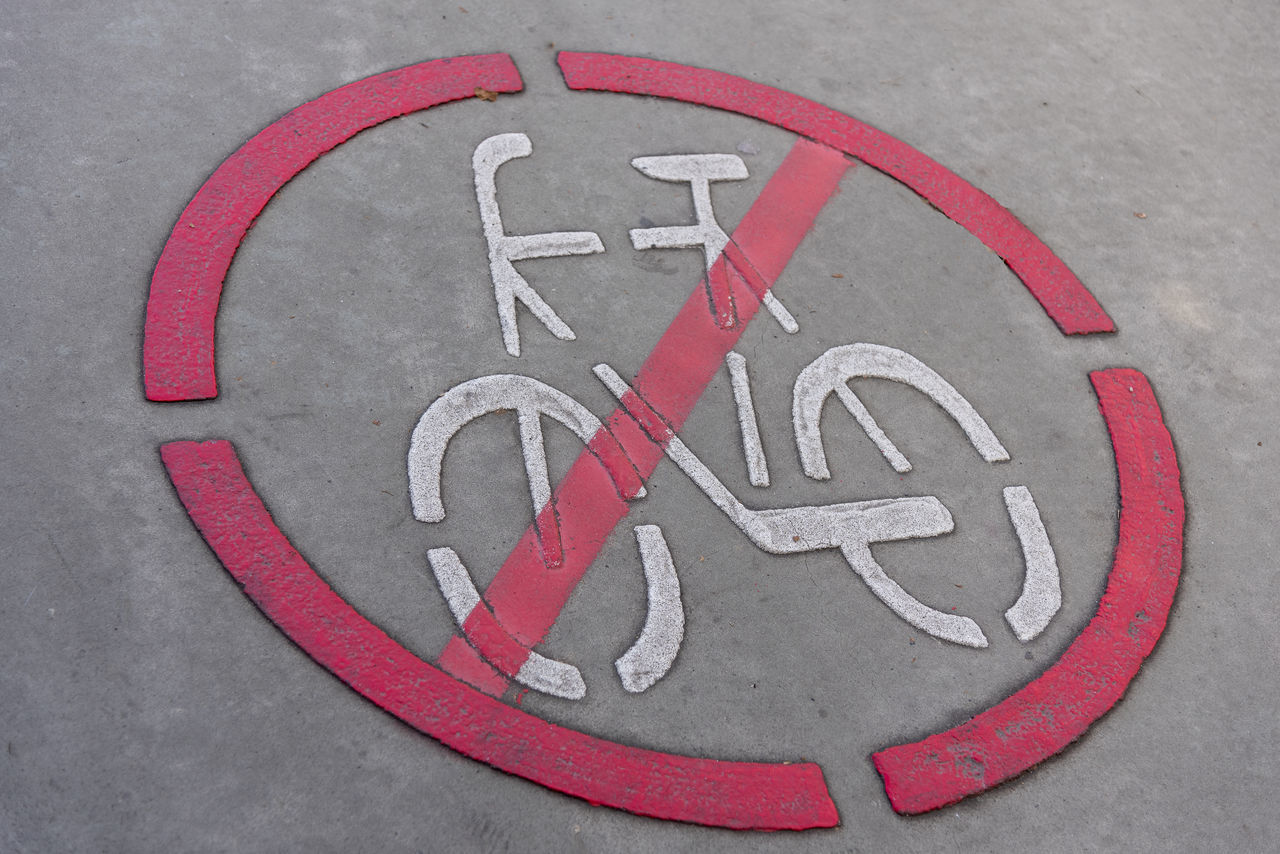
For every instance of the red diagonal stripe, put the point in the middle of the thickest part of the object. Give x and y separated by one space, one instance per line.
525 595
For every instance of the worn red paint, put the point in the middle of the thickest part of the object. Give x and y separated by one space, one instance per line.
237 526
492 641
177 352
1062 295
526 596
1046 716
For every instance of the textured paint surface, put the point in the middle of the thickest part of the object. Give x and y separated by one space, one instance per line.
1018 733
530 399
1057 289
483 632
237 526
1054 710
699 170
177 351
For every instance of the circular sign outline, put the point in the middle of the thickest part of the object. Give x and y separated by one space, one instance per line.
1034 723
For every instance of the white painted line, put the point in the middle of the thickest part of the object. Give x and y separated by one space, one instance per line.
538 672
508 284
680 454
831 372
850 527
455 583
1041 588
869 426
785 319
653 653
699 170
951 627
749 426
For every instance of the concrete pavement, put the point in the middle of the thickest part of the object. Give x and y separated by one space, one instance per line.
149 705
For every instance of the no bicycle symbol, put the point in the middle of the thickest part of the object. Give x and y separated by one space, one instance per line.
458 698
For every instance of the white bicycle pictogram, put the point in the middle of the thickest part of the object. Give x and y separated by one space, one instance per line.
848 527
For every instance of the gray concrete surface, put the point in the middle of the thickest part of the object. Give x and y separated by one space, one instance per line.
148 706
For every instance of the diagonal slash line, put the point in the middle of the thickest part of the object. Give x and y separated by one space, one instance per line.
526 596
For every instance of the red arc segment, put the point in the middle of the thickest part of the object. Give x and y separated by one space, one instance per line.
234 522
177 350
1047 715
1066 300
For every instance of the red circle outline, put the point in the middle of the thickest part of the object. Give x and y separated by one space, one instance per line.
997 744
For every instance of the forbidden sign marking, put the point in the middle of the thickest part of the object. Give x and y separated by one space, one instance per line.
995 745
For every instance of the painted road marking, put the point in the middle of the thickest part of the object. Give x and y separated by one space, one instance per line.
1054 710
1064 298
1010 737
234 522
177 348
531 400
525 597
1041 590
851 528
491 640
